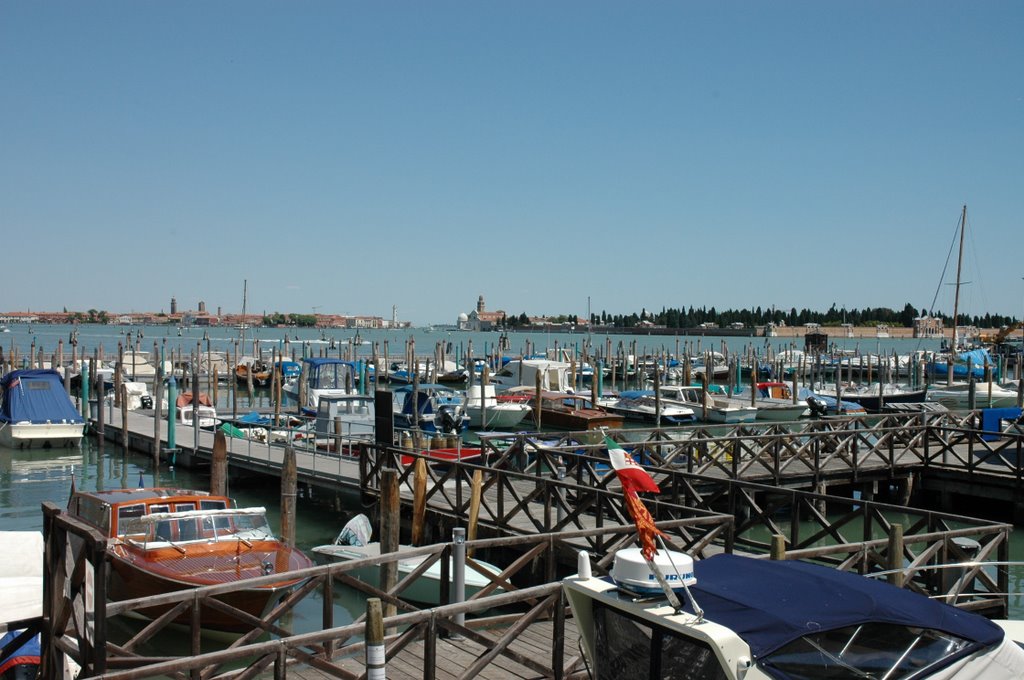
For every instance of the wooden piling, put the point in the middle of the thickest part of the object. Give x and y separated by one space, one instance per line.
475 496
390 526
778 547
219 465
376 657
289 485
419 501
895 555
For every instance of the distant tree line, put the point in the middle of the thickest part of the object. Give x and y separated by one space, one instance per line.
279 319
693 317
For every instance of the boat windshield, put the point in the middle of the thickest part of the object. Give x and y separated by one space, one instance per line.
198 526
870 650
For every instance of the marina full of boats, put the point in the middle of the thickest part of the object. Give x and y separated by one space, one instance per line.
169 539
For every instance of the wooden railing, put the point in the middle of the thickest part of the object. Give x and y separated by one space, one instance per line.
83 636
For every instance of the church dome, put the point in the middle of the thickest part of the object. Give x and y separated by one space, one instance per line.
463 317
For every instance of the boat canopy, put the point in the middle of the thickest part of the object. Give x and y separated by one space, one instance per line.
327 373
772 603
36 396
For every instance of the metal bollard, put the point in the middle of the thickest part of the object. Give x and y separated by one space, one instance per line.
459 570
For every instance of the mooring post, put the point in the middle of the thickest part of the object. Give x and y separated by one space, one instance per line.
376 657
390 526
124 417
85 392
778 547
289 484
459 571
219 465
172 398
895 561
475 496
419 499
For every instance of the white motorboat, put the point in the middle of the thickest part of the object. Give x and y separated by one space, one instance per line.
487 412
323 376
554 375
353 543
986 395
641 405
35 411
188 410
717 410
755 619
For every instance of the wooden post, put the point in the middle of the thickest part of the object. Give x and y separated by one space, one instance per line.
536 400
475 496
390 525
289 484
895 557
375 653
419 499
124 417
219 465
778 547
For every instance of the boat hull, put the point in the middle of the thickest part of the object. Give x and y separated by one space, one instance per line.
40 435
426 589
129 580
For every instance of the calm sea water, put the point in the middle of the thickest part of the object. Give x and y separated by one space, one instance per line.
91 336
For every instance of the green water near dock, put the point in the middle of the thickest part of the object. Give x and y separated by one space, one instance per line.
28 477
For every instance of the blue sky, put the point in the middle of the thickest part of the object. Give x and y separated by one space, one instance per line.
347 157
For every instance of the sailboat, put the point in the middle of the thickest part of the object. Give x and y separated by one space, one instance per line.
963 361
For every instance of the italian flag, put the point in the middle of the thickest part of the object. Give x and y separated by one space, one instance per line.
633 479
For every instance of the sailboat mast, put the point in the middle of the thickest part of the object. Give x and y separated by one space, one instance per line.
242 326
959 265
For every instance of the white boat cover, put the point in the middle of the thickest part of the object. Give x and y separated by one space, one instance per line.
21 575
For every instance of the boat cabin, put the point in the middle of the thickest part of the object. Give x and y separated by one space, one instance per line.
110 511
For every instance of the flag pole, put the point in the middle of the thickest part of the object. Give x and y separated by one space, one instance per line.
697 610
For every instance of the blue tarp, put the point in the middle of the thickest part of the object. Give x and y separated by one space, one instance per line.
36 396
771 603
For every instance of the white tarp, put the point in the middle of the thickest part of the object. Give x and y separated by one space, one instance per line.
21 575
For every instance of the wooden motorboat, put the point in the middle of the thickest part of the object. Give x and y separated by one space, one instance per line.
174 539
262 373
566 410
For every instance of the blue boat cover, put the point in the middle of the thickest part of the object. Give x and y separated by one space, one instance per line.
321 361
254 418
36 396
771 603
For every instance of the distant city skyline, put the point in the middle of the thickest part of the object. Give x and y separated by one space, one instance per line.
354 156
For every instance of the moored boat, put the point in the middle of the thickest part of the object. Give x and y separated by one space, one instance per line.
732 617
566 410
486 412
166 540
35 411
353 543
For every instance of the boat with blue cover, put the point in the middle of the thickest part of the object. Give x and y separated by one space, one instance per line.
734 617
324 376
35 411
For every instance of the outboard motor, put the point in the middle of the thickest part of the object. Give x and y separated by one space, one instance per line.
447 420
818 408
